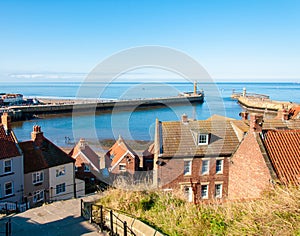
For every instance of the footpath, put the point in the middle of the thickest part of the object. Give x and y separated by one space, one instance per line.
58 218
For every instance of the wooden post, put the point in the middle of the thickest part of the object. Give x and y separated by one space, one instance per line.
81 203
101 218
125 228
91 215
16 206
111 223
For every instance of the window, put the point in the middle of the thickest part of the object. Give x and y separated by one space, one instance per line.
8 188
219 166
60 188
122 167
7 166
204 191
60 171
75 168
218 190
187 168
87 168
205 167
37 177
38 196
203 139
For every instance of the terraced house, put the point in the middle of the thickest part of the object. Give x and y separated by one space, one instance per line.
194 156
49 172
11 164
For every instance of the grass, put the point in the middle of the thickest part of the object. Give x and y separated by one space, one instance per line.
276 213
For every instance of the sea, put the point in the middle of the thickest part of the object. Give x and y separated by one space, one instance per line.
136 124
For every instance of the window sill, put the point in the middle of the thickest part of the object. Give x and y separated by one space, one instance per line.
7 174
189 174
37 184
7 196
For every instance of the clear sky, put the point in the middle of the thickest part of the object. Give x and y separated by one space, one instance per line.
232 39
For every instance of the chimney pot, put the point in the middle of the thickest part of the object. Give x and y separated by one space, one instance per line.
37 135
256 122
184 119
244 115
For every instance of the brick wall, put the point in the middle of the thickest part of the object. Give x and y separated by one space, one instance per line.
248 172
171 175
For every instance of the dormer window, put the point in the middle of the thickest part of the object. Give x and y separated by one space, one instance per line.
202 139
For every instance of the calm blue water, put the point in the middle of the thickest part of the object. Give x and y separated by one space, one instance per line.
139 124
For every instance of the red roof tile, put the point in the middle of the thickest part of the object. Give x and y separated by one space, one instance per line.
283 148
8 146
118 150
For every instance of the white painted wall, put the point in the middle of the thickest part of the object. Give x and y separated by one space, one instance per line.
68 179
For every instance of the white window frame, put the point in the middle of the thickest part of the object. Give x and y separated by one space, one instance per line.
60 171
201 141
4 166
222 166
39 177
86 168
122 167
221 190
12 189
206 196
189 172
60 188
208 164
38 196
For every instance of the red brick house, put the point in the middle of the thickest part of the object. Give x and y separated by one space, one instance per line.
194 156
121 159
87 162
268 154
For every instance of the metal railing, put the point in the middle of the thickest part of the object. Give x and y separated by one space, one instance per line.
13 207
105 219
5 225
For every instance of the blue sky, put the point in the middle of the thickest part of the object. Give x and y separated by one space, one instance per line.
232 39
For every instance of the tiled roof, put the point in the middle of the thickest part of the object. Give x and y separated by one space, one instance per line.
118 150
283 148
294 112
85 155
281 124
8 147
180 139
149 151
45 156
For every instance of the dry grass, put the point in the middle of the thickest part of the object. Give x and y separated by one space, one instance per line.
276 213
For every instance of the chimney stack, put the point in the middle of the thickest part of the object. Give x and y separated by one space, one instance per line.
244 115
256 122
37 135
82 144
6 121
184 119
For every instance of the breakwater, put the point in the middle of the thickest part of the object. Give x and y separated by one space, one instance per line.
261 102
23 112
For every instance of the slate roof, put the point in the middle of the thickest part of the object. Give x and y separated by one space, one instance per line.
41 157
180 139
8 146
281 124
283 148
86 155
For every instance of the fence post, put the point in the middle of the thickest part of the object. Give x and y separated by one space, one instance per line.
9 226
26 203
111 223
17 207
6 229
125 228
101 218
6 210
81 203
91 215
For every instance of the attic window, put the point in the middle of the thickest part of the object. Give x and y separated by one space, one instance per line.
202 139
